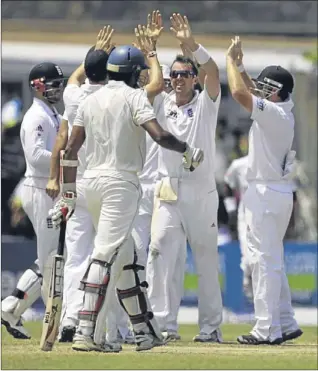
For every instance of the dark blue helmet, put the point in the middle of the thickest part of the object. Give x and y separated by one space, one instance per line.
126 59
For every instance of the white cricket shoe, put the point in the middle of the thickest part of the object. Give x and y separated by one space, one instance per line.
171 336
147 341
214 337
14 325
86 344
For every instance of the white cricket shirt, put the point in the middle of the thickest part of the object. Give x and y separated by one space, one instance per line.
115 141
73 96
270 139
194 123
235 175
149 172
38 132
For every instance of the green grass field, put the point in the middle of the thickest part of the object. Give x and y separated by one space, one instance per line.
300 354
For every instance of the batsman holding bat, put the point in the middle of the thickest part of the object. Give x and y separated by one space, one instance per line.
38 133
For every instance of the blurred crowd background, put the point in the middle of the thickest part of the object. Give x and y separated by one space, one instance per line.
275 17
283 19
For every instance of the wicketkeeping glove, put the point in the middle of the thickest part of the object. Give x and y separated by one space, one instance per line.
192 158
62 210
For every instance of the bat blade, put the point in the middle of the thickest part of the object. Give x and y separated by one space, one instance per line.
51 320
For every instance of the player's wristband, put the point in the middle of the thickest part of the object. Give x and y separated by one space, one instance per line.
201 55
151 54
241 68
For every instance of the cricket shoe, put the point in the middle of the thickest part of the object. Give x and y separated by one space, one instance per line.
252 340
147 341
171 336
14 326
292 335
86 344
214 337
129 338
67 334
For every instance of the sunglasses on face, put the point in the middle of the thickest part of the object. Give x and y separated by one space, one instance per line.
181 73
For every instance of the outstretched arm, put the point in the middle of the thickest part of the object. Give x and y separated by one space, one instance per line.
239 62
237 86
147 38
53 185
187 53
182 31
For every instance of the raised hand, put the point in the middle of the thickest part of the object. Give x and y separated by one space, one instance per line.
181 28
144 42
235 50
154 25
104 38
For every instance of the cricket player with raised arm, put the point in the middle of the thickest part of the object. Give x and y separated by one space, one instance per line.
186 203
268 200
38 133
80 230
235 186
113 121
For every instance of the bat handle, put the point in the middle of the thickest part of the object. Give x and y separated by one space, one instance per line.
60 249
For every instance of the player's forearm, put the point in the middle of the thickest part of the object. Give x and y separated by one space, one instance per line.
78 76
235 80
169 141
188 54
156 82
69 173
60 144
205 60
247 80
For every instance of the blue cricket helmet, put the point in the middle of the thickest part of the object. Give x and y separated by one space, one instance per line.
126 59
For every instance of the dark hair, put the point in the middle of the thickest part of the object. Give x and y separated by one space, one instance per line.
125 77
182 59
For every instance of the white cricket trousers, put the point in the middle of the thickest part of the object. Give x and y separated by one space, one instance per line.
36 204
194 217
141 235
267 214
79 241
113 204
241 229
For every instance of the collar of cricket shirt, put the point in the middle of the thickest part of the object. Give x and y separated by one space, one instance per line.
287 105
50 111
172 96
115 83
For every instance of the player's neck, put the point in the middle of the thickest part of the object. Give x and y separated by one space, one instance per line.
183 99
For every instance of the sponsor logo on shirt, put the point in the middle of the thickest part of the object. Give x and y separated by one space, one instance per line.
173 114
260 104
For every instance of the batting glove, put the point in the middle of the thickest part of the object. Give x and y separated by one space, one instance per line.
63 209
192 158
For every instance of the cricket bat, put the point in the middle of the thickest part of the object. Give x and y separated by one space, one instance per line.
51 321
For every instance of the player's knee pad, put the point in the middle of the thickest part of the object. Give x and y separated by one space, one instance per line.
135 301
28 289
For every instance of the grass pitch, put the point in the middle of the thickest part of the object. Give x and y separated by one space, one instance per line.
300 354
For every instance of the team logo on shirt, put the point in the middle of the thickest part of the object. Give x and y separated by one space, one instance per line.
260 104
190 112
39 130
